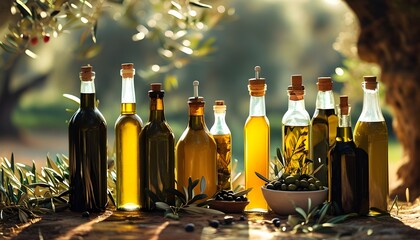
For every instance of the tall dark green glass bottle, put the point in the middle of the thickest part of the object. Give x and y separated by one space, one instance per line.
87 150
157 153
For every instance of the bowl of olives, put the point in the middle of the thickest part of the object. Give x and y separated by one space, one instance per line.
228 201
287 192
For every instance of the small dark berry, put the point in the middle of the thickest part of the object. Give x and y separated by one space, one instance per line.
46 38
245 199
218 197
242 218
270 186
214 223
276 223
85 214
189 227
230 192
238 199
228 220
229 198
275 219
34 40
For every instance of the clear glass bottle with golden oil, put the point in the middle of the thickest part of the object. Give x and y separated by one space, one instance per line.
222 136
347 169
87 150
295 126
323 128
256 143
371 135
127 130
196 150
157 153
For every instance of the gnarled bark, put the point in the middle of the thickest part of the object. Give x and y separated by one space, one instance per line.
390 36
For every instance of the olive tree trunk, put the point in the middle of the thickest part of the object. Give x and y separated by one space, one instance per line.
390 37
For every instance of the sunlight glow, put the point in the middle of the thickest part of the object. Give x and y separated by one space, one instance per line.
155 68
84 20
339 71
139 36
221 9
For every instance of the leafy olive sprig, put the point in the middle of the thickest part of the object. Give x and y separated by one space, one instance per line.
187 201
287 182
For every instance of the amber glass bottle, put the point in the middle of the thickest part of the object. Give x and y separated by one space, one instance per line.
127 130
196 149
371 135
347 170
87 150
323 128
223 138
256 143
295 126
157 152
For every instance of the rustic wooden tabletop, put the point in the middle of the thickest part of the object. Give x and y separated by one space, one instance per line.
152 225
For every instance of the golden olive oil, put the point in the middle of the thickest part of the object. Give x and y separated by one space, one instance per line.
224 147
127 130
372 137
257 145
295 149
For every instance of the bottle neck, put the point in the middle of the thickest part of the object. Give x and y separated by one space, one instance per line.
128 97
219 127
325 100
257 106
296 105
156 110
344 132
196 117
87 94
371 111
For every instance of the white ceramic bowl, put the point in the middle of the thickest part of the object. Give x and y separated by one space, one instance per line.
285 202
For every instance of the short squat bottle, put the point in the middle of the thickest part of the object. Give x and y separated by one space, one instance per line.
348 170
323 129
295 126
196 149
157 153
256 143
223 138
127 130
87 150
371 136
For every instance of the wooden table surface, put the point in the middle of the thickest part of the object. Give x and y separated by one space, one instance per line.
152 225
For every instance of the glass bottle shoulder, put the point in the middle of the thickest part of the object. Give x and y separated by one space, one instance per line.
132 119
87 117
296 118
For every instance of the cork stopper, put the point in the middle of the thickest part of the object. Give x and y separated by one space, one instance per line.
219 106
127 70
344 105
324 84
86 73
370 82
196 98
257 86
296 90
155 87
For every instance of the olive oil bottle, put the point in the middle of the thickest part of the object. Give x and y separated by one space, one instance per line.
256 143
127 130
222 136
371 135
87 150
157 153
323 128
196 151
295 134
348 170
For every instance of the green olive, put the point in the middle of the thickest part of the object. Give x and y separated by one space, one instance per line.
303 183
312 187
290 179
291 187
311 180
283 187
